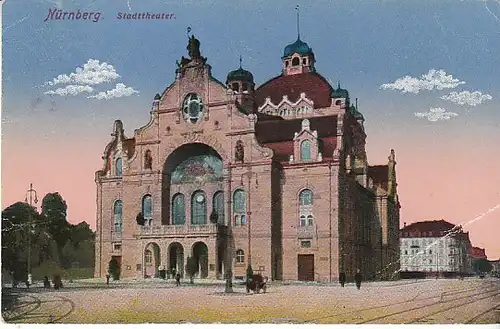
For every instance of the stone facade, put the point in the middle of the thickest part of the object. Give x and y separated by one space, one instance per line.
275 176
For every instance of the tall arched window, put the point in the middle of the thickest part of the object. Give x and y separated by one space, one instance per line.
198 208
118 211
306 197
295 61
178 209
239 207
218 206
306 208
147 209
305 151
118 167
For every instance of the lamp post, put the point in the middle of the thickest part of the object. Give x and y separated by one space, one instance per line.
31 198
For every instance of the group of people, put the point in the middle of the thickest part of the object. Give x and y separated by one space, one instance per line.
357 278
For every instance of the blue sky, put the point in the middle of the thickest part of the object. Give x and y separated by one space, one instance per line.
364 44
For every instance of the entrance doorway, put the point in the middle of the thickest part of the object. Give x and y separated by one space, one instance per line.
176 258
305 265
151 260
200 254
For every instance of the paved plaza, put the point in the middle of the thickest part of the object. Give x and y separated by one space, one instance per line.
407 301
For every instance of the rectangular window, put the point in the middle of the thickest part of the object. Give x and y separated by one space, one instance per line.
305 244
117 246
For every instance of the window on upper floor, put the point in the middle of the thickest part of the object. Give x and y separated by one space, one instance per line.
295 61
118 213
198 208
239 207
147 209
218 206
118 167
306 197
305 150
178 209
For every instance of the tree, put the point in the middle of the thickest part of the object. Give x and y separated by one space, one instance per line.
54 210
249 271
79 233
140 219
481 266
191 268
114 269
21 224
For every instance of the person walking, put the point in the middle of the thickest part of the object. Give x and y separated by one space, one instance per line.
107 278
357 278
178 279
342 279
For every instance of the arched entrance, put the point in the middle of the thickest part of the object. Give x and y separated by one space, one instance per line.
176 258
200 254
151 260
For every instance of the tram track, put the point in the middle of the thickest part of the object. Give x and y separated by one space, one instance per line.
422 307
478 316
413 299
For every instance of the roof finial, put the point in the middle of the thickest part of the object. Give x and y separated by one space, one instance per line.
298 26
338 84
356 103
241 60
188 30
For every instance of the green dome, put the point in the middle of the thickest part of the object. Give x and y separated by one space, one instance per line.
298 46
240 75
340 93
157 97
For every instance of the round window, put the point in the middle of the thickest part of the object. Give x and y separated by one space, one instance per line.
192 108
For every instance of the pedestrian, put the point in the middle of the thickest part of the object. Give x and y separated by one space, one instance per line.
178 279
357 278
107 278
342 279
46 282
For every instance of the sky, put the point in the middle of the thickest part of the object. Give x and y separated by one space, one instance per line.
426 74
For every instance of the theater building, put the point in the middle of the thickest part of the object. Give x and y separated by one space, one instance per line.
275 176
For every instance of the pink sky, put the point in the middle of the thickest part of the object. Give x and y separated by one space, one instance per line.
452 178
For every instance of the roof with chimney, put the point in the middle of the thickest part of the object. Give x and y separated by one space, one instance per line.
430 228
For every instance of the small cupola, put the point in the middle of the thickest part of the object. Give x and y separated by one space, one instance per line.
353 109
240 80
298 57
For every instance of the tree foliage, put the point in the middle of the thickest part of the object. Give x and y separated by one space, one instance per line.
114 269
140 219
54 210
481 266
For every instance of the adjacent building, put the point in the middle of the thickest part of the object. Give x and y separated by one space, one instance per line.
233 174
431 248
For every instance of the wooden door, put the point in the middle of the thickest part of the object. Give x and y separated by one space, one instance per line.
306 267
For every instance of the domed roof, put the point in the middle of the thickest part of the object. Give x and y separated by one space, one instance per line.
241 75
298 46
340 93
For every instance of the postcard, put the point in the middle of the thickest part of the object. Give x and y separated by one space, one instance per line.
237 162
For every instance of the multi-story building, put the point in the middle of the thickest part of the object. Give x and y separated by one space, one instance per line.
232 174
434 248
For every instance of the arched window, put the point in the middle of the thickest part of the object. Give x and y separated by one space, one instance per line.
305 151
147 209
295 61
244 87
303 220
306 197
236 86
118 211
304 61
309 220
218 206
240 256
148 257
239 207
198 208
118 167
178 209
287 63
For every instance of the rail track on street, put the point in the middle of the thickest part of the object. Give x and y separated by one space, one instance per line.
480 315
416 298
48 309
406 313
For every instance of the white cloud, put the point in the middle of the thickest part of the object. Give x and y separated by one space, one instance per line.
119 91
434 79
92 73
70 90
436 114
467 97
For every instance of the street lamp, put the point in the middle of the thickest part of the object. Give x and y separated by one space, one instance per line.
31 198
